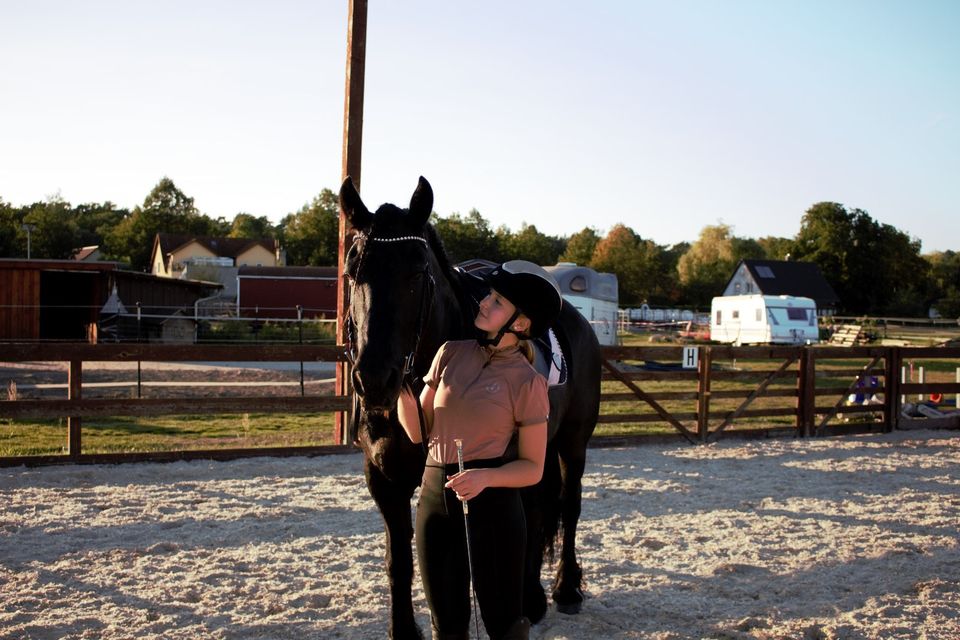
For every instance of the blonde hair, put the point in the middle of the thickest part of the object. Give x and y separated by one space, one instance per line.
526 348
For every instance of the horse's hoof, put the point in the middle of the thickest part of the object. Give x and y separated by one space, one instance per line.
568 602
571 609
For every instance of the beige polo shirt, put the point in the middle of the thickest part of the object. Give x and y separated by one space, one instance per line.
482 397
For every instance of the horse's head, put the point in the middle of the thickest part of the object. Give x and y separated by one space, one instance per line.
391 278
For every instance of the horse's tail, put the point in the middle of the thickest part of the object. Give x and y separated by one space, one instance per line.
550 492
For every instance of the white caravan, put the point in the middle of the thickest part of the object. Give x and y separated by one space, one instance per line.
594 294
759 319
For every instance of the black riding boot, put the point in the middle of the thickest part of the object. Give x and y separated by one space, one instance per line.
519 630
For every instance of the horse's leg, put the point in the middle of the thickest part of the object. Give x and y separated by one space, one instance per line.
567 591
393 501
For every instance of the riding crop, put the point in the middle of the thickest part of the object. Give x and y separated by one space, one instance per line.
466 530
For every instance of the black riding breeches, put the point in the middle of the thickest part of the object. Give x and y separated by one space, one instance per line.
497 542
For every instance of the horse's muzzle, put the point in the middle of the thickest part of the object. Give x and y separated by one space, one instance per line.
378 387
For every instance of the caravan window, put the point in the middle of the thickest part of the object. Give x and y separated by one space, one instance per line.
796 314
578 284
735 314
718 316
759 317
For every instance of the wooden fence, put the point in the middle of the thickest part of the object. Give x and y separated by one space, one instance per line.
753 391
803 391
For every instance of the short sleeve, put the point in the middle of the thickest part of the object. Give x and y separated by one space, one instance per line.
432 379
532 405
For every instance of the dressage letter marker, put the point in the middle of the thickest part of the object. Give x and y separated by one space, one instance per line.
691 357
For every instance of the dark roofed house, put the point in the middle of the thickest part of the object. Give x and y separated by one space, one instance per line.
172 253
783 278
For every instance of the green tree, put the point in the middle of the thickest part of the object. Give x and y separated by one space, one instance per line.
945 280
673 292
638 264
775 248
467 237
95 221
874 268
580 247
709 262
9 223
245 225
311 236
55 234
166 209
528 244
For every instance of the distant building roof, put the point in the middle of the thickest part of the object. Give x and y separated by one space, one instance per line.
87 253
224 247
787 277
288 272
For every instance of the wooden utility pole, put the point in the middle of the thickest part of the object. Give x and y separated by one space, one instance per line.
352 144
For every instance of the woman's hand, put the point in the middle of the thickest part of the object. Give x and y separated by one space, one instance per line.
469 483
526 470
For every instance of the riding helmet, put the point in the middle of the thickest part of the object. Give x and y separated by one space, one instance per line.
532 290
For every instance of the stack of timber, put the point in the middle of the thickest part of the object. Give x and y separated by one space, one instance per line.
848 335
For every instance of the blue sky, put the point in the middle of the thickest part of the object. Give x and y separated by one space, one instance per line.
665 116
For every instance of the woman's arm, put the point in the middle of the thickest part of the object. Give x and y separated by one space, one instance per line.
526 470
407 411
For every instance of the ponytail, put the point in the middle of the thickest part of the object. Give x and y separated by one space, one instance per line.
526 348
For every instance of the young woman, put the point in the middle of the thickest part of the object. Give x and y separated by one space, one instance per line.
486 394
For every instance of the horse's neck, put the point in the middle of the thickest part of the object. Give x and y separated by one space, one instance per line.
458 307
452 302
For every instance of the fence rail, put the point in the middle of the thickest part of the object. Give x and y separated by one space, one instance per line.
803 391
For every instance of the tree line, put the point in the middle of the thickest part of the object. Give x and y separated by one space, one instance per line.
875 268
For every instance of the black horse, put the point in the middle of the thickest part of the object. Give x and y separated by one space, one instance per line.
406 300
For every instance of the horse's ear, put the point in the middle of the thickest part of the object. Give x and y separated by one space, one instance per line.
353 207
421 203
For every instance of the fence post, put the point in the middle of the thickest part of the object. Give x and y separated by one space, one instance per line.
801 386
892 397
74 392
139 368
300 341
807 392
703 393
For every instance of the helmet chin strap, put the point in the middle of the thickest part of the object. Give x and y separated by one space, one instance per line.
492 342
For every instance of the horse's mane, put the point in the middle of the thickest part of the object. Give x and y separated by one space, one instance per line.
468 305
436 245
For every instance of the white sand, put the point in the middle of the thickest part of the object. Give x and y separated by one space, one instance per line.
830 538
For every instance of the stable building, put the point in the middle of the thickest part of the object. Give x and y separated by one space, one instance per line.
73 300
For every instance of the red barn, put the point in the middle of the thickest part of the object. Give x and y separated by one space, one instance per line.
275 292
